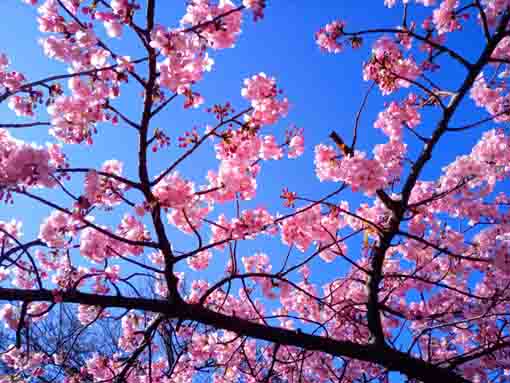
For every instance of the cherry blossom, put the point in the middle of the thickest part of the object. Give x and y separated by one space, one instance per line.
55 227
179 71
388 67
444 17
9 80
398 262
23 164
95 245
261 90
327 37
296 146
199 261
105 189
221 34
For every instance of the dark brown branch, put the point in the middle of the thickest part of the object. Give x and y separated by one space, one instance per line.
424 39
143 169
24 125
358 115
383 355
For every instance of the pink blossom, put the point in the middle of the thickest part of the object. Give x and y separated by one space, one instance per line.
73 118
388 67
262 92
23 361
444 227
444 17
10 80
99 367
9 315
487 163
494 8
131 335
23 164
10 233
493 99
259 263
391 155
55 228
202 11
185 62
253 222
299 229
50 20
199 261
174 192
502 257
395 116
22 106
270 148
57 157
327 37
113 28
99 58
233 177
189 218
238 153
103 189
356 170
131 229
24 276
95 245
308 225
296 146
4 274
111 21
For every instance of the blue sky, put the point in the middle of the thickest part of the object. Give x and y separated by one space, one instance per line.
324 90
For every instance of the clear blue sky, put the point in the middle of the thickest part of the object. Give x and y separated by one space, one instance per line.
324 90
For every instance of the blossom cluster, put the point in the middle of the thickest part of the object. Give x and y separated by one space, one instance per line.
261 90
487 163
74 117
104 189
310 225
388 67
248 225
9 80
186 209
445 18
10 232
186 59
493 98
361 173
392 119
24 164
327 37
240 150
121 13
218 24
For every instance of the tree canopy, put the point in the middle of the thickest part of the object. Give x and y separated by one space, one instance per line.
147 269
